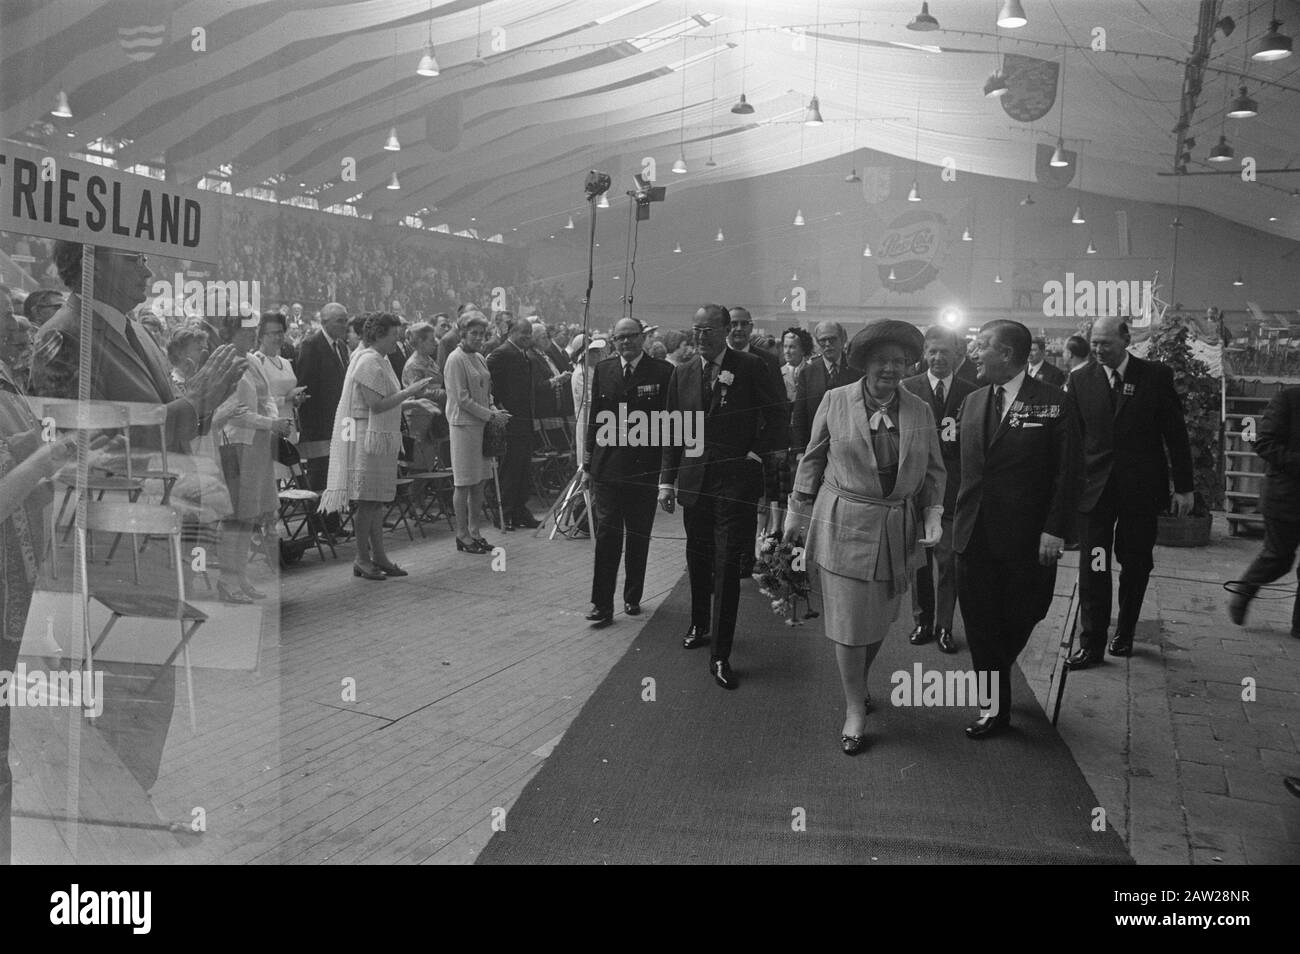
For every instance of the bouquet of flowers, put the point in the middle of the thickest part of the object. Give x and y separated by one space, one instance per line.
778 579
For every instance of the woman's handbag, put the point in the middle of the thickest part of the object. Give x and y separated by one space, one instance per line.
286 453
494 440
229 454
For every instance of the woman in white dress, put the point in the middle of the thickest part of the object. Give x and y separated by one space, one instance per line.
280 377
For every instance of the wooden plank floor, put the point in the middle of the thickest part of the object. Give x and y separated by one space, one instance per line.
464 677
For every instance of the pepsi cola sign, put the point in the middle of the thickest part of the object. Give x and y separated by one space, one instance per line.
911 248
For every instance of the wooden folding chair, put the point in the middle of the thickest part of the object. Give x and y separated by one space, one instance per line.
298 513
137 602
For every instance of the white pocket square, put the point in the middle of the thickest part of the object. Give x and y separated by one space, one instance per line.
1030 424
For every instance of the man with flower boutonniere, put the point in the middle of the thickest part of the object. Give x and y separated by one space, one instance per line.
743 409
1130 414
1021 471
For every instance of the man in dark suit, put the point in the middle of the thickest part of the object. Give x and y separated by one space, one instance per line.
516 388
624 476
1041 368
1278 444
740 405
1130 414
739 338
399 355
818 375
934 594
322 363
1020 474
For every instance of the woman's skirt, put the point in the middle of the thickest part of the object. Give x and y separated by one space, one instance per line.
858 612
468 465
253 492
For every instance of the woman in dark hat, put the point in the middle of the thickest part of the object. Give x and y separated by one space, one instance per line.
875 478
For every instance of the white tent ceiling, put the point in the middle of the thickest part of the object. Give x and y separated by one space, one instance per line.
533 93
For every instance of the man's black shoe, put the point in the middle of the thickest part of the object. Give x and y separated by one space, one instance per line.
947 644
695 636
722 674
920 636
1081 659
988 726
632 609
1237 607
1121 645
598 615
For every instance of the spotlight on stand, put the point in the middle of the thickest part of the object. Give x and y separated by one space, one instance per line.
597 184
645 193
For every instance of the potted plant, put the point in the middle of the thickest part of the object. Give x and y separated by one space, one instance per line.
1199 392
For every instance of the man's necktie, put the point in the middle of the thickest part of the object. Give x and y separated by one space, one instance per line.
627 375
1000 402
342 352
709 368
1116 383
940 397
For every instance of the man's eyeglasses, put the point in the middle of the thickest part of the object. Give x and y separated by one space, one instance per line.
707 331
627 337
827 342
137 258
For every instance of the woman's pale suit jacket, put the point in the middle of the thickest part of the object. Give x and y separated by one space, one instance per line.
851 517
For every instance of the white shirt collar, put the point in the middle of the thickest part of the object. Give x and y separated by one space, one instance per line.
829 364
1032 370
1010 390
704 362
1123 367
934 382
633 363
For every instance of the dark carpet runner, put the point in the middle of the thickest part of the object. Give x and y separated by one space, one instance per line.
702 775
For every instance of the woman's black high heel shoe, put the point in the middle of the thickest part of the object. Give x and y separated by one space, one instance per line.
463 547
367 574
391 569
853 744
487 547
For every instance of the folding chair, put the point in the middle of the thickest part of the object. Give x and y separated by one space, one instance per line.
297 502
137 602
153 415
91 416
401 505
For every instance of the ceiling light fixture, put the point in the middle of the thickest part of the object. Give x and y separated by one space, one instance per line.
1238 282
604 202
677 249
853 175
428 65
393 183
813 116
61 108
966 236
392 145
914 195
718 237
997 279
679 166
1091 249
1243 107
1222 152
1275 45
923 22
742 107
1077 218
1058 159
1028 199
866 251
798 217
995 85
568 225
892 276
1012 15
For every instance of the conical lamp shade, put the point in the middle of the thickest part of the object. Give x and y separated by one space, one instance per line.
392 145
1077 218
61 108
393 183
892 276
1243 107
569 224
718 237
1274 46
677 249
866 251
966 236
1012 15
1091 249
680 165
604 202
913 194
995 85
1027 200
813 117
428 65
1058 155
923 22
1222 152
1237 282
742 107
853 175
997 279
798 217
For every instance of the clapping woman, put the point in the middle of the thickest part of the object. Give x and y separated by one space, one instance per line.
871 469
248 420
366 441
